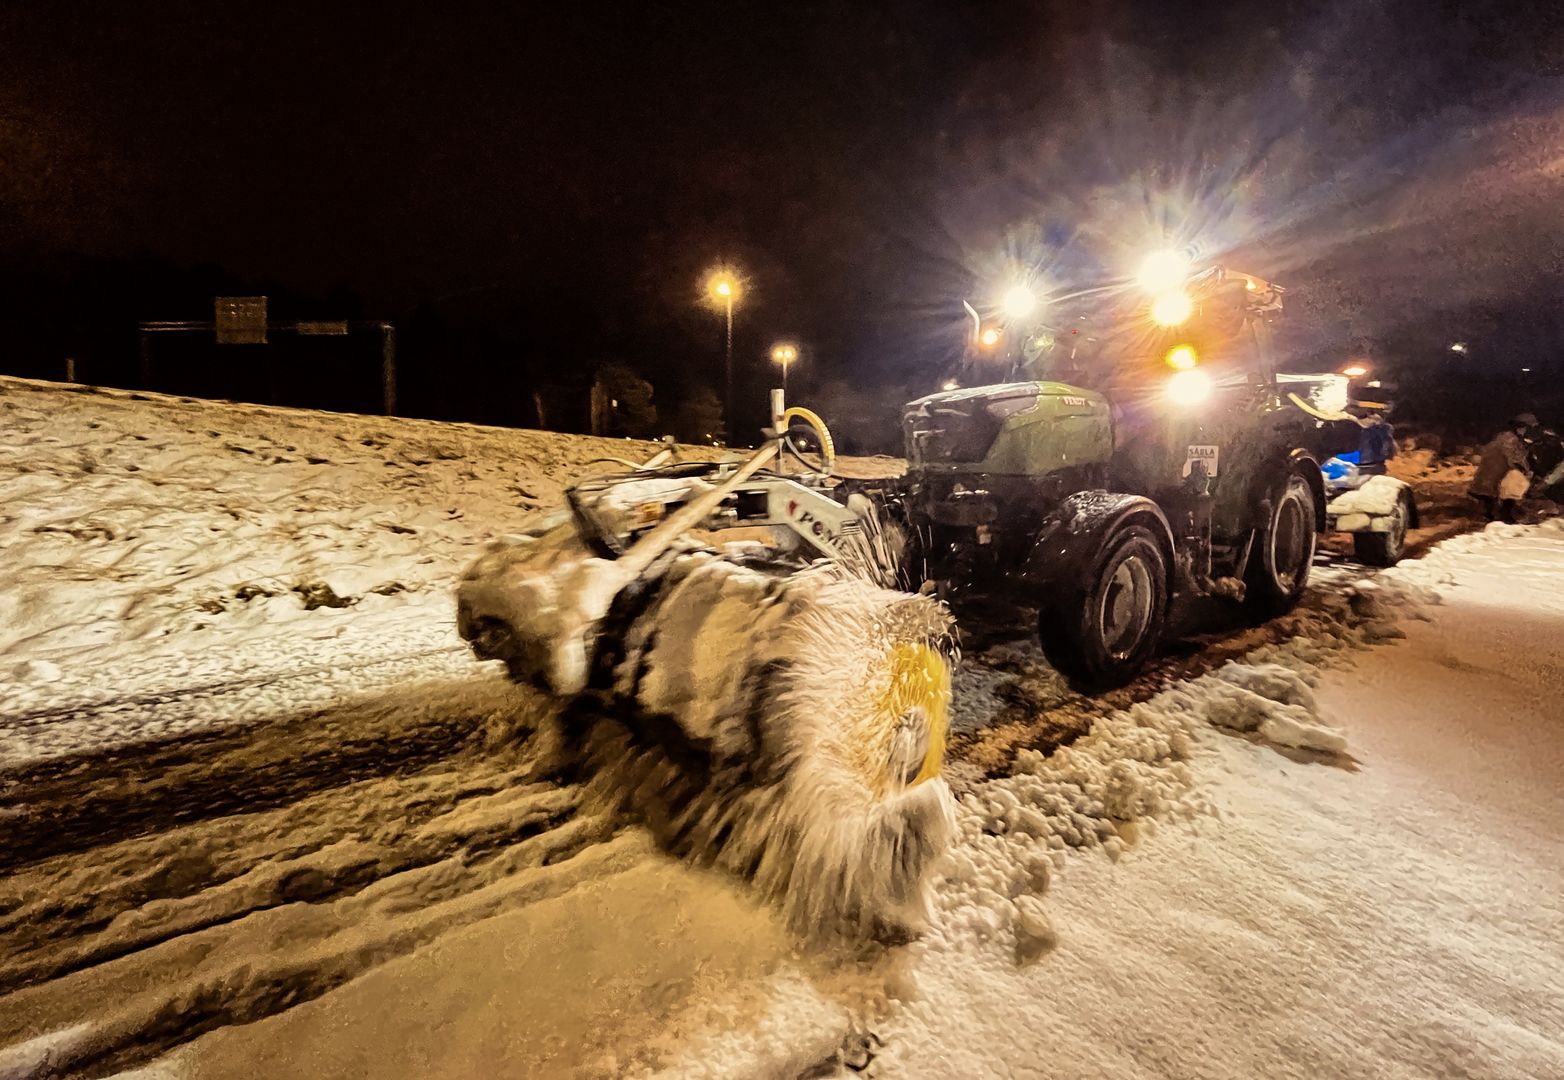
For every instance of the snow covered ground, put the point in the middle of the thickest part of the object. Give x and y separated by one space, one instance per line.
1393 910
1334 854
228 562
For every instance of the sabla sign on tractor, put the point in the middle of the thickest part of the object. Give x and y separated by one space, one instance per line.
1204 456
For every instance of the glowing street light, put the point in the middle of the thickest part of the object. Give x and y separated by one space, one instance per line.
1018 302
784 353
1355 371
722 285
1459 347
1163 272
1172 308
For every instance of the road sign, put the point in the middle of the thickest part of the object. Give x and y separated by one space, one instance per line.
240 320
324 329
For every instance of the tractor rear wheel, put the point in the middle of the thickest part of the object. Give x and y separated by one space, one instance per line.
1284 551
1101 633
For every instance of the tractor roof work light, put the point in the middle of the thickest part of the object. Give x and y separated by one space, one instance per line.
1163 271
1018 302
1172 308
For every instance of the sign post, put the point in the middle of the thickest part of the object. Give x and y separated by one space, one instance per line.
388 367
240 320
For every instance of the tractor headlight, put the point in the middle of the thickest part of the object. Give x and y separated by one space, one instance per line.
1189 388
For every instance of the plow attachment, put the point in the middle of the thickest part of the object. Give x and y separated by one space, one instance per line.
783 721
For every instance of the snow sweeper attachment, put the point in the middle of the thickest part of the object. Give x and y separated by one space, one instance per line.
772 709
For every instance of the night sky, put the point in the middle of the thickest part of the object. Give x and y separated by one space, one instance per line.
531 190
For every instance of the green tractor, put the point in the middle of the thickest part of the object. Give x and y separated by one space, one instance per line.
1111 474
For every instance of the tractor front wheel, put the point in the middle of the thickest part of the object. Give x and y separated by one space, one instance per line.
1101 633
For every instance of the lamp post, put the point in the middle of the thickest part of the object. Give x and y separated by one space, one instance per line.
784 353
723 288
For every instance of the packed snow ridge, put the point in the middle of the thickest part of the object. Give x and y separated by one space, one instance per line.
1136 767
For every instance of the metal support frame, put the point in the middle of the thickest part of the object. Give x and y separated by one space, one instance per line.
388 373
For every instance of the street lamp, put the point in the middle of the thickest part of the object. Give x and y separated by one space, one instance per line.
1355 370
784 353
722 285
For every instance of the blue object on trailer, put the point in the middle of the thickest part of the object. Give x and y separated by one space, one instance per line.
1341 467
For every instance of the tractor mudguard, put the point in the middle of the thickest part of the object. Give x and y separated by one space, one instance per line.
1305 465
1074 533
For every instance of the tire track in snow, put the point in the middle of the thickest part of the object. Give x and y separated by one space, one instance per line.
68 804
87 707
136 944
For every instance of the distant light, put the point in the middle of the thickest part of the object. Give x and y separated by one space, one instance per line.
1459 346
784 353
1018 302
1354 371
1525 370
1163 271
1182 357
950 384
722 285
1172 308
989 338
1190 387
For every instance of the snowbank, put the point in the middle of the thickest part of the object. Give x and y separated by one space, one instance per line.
161 555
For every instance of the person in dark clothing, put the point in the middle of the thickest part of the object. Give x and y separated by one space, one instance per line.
1546 451
1504 470
1376 443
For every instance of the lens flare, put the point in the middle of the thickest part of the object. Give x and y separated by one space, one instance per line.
1163 271
989 338
1182 357
1019 301
1189 388
1172 308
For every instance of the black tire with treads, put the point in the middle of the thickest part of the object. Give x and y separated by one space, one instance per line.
1279 566
1079 632
1385 548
